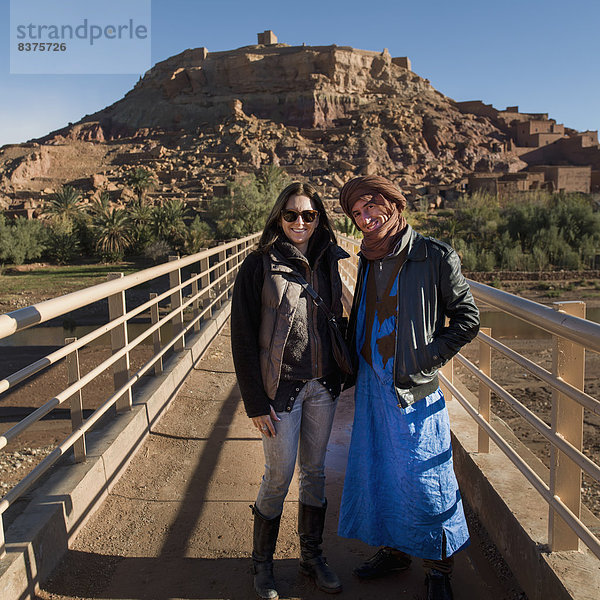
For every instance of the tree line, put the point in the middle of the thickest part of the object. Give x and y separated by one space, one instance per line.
100 229
530 232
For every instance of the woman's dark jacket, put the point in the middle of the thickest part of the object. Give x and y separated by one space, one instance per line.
279 337
431 287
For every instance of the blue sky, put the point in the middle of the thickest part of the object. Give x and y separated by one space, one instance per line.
540 55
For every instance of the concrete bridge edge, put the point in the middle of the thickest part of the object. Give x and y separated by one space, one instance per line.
515 516
57 509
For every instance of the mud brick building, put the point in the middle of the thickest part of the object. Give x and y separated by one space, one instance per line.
538 132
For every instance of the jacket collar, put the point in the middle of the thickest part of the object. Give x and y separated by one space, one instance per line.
417 248
285 253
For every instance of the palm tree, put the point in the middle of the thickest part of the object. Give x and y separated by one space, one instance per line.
141 180
111 228
168 223
140 216
101 204
65 205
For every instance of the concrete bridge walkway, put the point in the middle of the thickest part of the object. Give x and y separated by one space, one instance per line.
177 524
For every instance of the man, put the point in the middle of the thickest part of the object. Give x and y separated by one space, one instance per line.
400 490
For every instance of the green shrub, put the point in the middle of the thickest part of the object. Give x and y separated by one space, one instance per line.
21 240
199 235
486 261
246 208
528 232
63 241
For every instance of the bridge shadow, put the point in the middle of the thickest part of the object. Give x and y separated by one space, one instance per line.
195 495
185 578
173 573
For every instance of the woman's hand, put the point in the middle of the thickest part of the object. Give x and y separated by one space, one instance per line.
264 423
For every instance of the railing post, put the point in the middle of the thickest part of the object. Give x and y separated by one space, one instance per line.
229 265
118 340
448 371
73 375
204 283
221 270
196 302
156 341
2 539
485 394
176 302
568 363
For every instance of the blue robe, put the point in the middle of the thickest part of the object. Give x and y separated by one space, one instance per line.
400 488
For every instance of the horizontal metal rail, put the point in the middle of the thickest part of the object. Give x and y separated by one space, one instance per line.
580 459
579 331
586 536
558 384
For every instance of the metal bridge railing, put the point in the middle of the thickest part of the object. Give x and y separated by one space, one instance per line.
211 285
572 335
208 288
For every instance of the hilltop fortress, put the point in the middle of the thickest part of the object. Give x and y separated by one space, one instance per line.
302 86
200 119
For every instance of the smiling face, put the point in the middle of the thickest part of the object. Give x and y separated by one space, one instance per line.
299 231
368 215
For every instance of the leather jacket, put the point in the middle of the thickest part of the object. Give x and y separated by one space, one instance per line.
431 287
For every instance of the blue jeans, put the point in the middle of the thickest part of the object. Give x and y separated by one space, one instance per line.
307 427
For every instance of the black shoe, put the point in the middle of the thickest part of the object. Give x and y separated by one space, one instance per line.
383 562
311 520
438 586
265 539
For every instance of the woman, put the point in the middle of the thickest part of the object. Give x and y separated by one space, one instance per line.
287 374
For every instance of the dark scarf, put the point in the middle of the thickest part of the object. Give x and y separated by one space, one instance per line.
379 243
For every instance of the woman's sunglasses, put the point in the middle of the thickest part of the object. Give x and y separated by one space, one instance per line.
291 216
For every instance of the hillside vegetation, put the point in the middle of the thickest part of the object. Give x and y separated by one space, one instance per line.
533 232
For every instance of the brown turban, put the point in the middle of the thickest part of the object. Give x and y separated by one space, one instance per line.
381 242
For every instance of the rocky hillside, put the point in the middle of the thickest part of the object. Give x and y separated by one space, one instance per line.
200 119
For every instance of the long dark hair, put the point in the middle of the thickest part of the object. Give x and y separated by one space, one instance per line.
273 229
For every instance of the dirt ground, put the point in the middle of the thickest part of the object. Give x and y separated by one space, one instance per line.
178 524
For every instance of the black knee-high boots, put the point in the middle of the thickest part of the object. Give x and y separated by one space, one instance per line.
263 548
311 521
